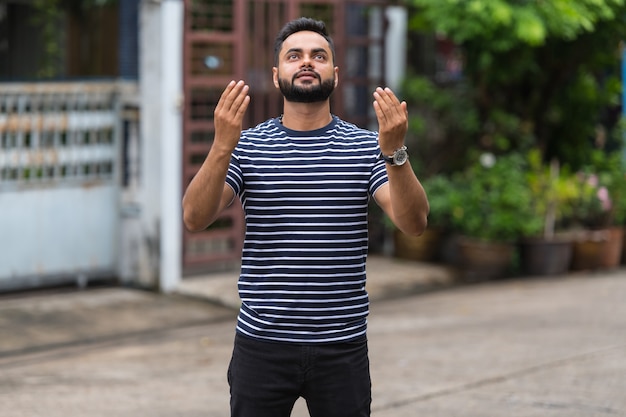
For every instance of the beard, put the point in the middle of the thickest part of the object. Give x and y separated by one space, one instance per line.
312 93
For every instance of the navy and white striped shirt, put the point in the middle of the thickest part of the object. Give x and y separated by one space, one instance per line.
305 197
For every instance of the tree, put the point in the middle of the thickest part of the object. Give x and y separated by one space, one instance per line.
542 73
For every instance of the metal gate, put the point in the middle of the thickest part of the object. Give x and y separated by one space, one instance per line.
59 192
233 39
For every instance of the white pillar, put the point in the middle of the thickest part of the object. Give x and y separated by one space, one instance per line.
150 140
161 25
395 46
170 123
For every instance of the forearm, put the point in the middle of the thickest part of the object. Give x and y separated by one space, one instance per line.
204 200
409 203
405 200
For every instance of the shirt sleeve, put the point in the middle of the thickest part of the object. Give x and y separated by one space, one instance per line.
378 177
234 176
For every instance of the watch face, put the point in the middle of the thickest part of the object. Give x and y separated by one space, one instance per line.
400 157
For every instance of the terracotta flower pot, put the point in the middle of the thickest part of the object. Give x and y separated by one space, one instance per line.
589 250
612 256
480 260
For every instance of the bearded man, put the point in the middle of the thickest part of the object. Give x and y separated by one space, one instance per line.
304 179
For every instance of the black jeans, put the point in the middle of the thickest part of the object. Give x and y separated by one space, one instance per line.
266 379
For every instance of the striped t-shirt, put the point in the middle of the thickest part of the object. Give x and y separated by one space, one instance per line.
305 196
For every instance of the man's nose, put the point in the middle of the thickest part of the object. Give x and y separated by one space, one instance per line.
307 61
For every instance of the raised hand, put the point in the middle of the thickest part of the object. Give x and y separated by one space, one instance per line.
228 114
393 120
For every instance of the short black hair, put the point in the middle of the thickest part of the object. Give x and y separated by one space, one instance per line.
299 25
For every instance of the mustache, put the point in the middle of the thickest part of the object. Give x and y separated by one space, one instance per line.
308 71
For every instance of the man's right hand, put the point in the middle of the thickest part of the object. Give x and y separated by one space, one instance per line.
228 115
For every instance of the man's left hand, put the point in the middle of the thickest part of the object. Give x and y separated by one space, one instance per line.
393 120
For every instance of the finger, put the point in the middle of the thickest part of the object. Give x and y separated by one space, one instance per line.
388 96
221 103
379 96
392 95
236 95
230 94
240 98
380 106
380 114
389 103
243 107
227 91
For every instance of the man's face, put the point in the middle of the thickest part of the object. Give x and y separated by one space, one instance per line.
305 72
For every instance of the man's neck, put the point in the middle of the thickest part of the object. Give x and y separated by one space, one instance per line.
306 116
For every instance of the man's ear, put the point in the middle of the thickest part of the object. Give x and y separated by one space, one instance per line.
336 76
275 77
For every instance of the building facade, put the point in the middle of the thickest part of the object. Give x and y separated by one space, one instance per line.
93 162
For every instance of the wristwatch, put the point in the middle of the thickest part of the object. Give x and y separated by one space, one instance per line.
399 157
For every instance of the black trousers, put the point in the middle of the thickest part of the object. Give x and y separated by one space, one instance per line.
267 378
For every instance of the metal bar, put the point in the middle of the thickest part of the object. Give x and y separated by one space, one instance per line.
43 127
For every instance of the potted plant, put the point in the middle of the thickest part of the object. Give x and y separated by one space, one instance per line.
591 216
613 176
548 251
491 209
600 212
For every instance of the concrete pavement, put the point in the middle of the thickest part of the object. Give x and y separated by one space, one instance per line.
386 277
524 347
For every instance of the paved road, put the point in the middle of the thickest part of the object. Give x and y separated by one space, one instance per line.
517 348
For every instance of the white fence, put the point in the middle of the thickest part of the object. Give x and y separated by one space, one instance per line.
64 162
